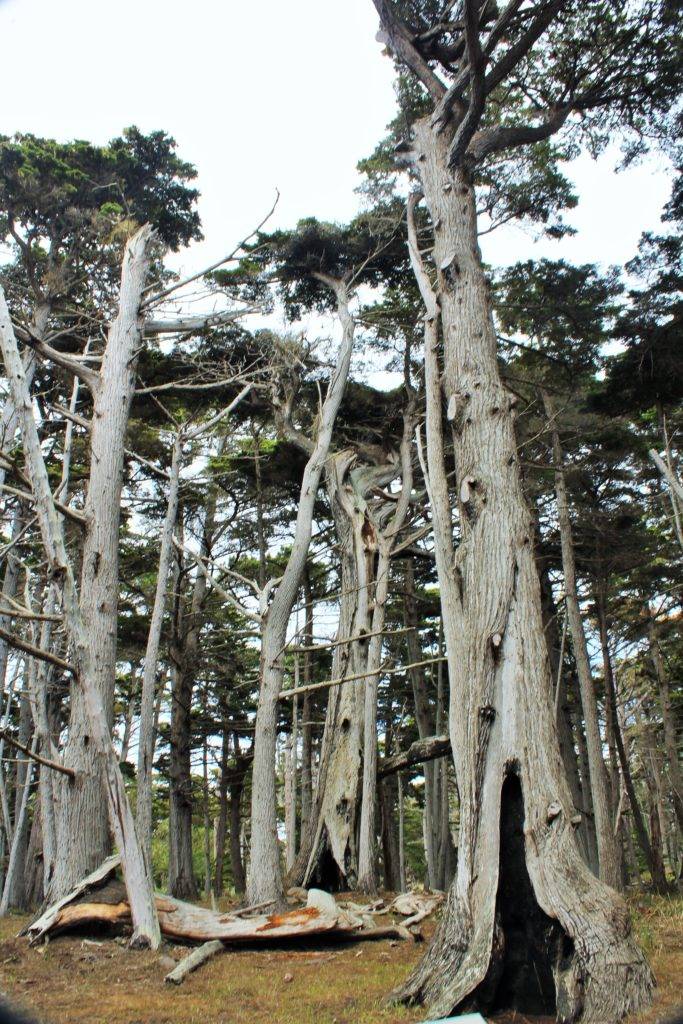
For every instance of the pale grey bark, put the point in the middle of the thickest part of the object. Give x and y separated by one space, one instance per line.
84 637
386 539
143 809
82 828
12 896
291 769
508 767
265 879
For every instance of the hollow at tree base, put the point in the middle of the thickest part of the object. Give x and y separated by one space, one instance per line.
74 983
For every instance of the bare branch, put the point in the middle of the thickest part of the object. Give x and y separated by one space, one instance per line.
214 266
36 652
56 766
189 324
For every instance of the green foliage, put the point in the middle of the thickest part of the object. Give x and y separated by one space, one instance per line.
370 250
564 311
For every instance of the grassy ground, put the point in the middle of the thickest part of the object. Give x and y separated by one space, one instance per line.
71 981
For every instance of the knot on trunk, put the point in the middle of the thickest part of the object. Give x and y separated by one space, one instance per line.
554 811
450 270
487 713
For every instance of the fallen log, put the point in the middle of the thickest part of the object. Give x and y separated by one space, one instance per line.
194 960
418 752
101 899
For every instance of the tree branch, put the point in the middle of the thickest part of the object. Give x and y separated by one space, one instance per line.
477 65
427 749
398 38
36 652
56 766
502 137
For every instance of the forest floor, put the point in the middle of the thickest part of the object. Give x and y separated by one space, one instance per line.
71 981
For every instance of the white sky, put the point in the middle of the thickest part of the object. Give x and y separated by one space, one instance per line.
287 94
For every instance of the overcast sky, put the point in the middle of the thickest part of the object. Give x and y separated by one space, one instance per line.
258 95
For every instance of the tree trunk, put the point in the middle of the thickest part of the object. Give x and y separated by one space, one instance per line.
608 854
526 924
14 893
291 768
207 819
401 837
83 840
143 808
222 825
426 726
265 879
236 863
668 721
306 711
565 736
125 331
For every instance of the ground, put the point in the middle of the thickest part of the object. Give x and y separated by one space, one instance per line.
71 981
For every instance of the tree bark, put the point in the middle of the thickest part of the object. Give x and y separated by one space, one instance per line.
222 825
424 718
608 854
668 722
265 878
126 329
82 828
236 862
143 809
516 840
306 711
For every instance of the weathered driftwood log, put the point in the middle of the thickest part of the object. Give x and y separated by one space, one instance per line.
100 899
194 960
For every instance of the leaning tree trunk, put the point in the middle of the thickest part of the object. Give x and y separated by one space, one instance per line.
265 878
526 924
328 854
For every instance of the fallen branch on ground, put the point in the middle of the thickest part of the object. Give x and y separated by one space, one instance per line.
101 899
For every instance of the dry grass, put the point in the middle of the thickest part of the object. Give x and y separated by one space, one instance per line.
72 982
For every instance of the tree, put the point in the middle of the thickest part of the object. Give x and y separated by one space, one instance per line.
495 80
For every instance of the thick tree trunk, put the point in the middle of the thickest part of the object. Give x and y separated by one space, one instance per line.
265 878
125 332
143 809
526 924
328 855
608 853
83 840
